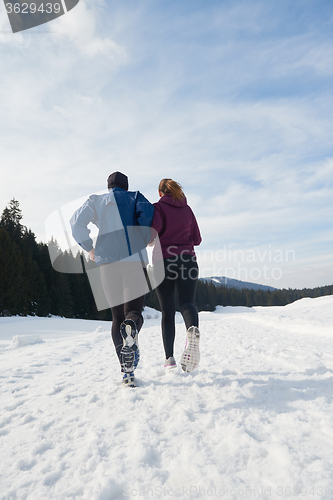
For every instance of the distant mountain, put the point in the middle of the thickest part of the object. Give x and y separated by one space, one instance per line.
232 283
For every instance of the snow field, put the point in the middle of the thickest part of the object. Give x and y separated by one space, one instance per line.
254 421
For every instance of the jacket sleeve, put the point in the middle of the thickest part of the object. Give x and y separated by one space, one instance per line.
196 236
157 223
79 222
144 211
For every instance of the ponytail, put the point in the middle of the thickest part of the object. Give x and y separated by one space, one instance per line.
168 186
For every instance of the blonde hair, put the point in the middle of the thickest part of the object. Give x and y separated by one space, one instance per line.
168 186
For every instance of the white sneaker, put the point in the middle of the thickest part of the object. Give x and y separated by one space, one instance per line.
191 355
170 362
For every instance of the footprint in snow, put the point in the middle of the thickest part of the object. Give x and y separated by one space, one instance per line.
93 399
17 389
6 421
42 448
52 478
47 425
27 418
56 389
229 372
25 464
14 405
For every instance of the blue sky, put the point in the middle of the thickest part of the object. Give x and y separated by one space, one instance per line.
233 99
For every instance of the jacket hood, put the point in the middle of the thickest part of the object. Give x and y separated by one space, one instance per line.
167 198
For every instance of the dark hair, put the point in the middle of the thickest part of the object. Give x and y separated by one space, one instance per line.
117 179
168 186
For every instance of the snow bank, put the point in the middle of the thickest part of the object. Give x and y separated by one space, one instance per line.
150 313
305 316
23 340
99 329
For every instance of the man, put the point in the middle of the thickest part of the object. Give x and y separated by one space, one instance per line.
123 218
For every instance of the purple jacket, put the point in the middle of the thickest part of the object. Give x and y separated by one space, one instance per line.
176 226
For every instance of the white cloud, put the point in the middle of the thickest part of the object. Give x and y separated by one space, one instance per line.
80 28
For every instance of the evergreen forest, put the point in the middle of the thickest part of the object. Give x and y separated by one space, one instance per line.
30 286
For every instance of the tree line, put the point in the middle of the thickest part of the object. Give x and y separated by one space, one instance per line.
30 286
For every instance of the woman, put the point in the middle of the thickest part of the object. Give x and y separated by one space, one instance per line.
178 232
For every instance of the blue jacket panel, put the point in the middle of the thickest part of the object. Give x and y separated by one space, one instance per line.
123 219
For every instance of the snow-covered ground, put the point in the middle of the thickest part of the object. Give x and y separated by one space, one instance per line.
254 421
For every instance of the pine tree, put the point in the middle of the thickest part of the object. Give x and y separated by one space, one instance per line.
11 220
23 283
12 300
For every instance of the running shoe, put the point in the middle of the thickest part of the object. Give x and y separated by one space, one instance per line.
129 354
129 380
191 355
170 362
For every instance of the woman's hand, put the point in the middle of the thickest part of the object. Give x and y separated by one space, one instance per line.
92 254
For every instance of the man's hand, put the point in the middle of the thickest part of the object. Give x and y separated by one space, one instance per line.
92 254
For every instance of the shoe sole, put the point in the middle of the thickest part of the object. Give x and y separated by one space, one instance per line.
129 354
191 356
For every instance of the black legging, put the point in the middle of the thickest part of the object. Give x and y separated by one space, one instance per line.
124 283
181 275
